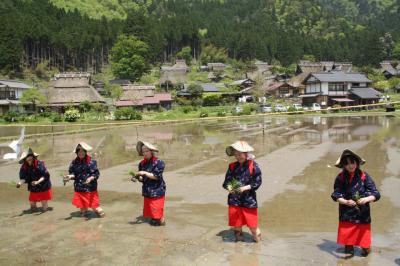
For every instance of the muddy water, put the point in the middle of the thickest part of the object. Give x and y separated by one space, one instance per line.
297 217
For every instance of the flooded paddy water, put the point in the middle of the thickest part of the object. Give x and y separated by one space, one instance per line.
297 217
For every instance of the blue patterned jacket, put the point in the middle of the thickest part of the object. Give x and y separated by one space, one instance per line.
361 183
241 173
83 169
153 188
34 173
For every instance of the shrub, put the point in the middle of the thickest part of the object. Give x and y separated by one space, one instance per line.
187 109
211 100
247 109
203 114
11 116
29 118
71 115
55 117
221 113
127 113
45 113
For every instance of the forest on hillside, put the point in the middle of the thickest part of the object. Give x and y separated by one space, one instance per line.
79 34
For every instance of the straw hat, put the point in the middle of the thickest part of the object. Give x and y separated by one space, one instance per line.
26 154
140 144
348 152
240 145
84 146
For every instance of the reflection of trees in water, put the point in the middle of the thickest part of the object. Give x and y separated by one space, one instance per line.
113 151
194 133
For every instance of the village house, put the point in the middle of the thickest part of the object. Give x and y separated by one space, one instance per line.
10 94
283 90
174 74
389 70
71 89
263 70
242 83
143 97
216 66
338 87
287 87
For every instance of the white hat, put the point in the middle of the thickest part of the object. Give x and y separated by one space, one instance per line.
26 154
140 144
82 145
348 152
239 145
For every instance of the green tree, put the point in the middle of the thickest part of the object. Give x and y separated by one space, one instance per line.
114 91
186 54
387 44
195 90
33 96
213 54
129 58
396 51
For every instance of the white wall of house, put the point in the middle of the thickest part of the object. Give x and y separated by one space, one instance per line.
18 93
324 88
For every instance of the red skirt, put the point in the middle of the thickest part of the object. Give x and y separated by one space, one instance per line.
354 234
153 207
84 200
40 196
239 216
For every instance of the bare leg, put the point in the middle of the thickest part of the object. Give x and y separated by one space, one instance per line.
33 206
255 231
99 211
83 212
44 205
238 233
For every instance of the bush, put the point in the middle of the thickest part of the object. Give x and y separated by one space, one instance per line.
45 113
11 116
247 109
85 106
55 117
221 113
127 113
71 115
211 100
29 118
203 114
197 101
187 109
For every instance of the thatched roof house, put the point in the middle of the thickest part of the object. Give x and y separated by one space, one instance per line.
389 70
72 89
143 97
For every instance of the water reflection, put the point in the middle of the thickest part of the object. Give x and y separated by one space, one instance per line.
185 144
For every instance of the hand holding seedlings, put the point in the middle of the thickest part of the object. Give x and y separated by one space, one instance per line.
134 176
89 179
234 186
67 178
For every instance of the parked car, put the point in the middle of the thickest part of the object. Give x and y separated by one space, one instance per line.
280 108
315 107
297 107
265 108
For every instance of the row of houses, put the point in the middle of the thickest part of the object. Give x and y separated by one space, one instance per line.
72 89
327 83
